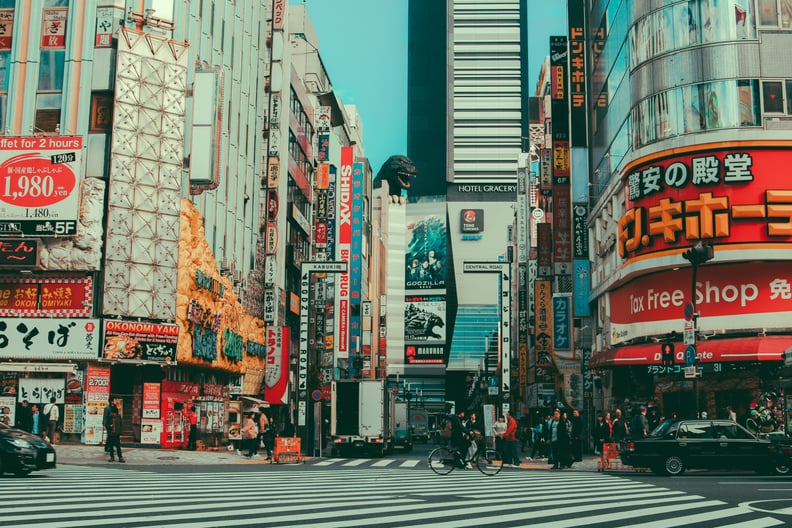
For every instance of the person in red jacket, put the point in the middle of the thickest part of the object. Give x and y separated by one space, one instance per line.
511 453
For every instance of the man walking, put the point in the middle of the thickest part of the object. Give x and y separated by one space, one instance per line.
52 415
107 418
114 434
640 424
510 445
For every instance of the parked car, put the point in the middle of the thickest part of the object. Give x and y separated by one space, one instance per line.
22 452
675 446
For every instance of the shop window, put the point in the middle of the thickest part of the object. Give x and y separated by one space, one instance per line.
48 112
749 103
772 97
789 99
101 112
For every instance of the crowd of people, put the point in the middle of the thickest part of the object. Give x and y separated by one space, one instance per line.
38 420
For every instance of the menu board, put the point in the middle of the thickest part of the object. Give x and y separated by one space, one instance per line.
150 431
151 400
7 410
97 394
73 418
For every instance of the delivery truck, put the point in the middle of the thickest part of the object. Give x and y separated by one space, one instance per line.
360 418
400 425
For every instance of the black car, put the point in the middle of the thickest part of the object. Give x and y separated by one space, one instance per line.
22 452
675 446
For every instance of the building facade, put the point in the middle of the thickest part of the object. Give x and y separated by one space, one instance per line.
689 131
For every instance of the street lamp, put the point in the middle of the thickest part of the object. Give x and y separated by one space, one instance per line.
697 255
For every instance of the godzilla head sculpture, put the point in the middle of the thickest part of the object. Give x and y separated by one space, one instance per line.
398 170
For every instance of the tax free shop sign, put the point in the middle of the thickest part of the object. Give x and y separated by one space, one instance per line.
39 181
742 296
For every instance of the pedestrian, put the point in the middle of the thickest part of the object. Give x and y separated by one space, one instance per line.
192 420
603 432
525 433
36 421
474 424
540 432
107 417
560 435
52 415
730 412
24 416
640 424
288 429
267 433
116 425
497 431
510 443
249 434
576 436
619 427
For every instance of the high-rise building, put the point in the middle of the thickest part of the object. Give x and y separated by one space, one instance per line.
691 237
465 124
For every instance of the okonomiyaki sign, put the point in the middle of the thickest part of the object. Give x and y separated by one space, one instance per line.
725 195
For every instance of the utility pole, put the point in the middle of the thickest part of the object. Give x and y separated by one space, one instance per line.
697 255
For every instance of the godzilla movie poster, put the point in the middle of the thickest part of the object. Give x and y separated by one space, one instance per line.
424 329
426 247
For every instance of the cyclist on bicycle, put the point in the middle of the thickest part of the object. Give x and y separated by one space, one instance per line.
460 437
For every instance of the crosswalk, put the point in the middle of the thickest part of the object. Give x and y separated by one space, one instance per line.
372 462
81 496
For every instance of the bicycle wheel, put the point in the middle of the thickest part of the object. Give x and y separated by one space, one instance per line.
442 461
489 461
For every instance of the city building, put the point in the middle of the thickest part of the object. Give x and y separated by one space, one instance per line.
467 117
155 225
689 131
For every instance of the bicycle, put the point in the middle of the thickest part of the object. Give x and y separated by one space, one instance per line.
443 460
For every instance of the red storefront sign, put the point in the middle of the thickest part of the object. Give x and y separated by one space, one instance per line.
726 194
46 297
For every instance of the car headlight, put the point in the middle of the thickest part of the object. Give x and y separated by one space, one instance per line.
24 444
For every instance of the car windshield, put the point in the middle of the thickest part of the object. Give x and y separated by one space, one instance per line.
665 430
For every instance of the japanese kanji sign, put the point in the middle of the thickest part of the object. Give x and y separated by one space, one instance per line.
66 338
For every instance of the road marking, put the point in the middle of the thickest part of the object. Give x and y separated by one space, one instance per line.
328 462
384 462
410 463
356 462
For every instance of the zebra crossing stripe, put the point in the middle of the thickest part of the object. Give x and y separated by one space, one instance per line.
355 462
410 463
384 462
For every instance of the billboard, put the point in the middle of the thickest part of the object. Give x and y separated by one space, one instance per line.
724 194
740 296
40 192
424 329
344 250
55 339
140 341
426 247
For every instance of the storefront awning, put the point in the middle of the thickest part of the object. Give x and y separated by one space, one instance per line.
768 348
261 403
38 367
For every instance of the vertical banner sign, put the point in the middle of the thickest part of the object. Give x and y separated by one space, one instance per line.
546 171
562 325
581 288
276 374
544 321
306 269
544 249
344 249
331 214
6 28
580 231
577 73
356 267
506 331
562 230
53 27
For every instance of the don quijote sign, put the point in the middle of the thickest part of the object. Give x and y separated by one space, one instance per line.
40 187
140 341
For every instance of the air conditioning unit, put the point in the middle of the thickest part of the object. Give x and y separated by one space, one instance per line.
238 277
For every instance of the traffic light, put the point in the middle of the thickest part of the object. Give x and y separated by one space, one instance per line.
667 354
699 254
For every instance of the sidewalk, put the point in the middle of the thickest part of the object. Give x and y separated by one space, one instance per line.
144 456
79 454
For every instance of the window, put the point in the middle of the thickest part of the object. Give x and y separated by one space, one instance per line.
695 430
51 65
772 97
731 431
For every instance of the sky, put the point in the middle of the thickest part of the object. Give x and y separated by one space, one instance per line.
363 44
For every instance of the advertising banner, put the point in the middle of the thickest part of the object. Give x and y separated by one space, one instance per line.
581 287
277 370
60 339
140 341
580 245
426 244
344 249
577 72
729 297
562 230
728 194
151 401
544 249
424 318
356 265
41 184
544 321
150 431
562 325
53 27
46 297
40 390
